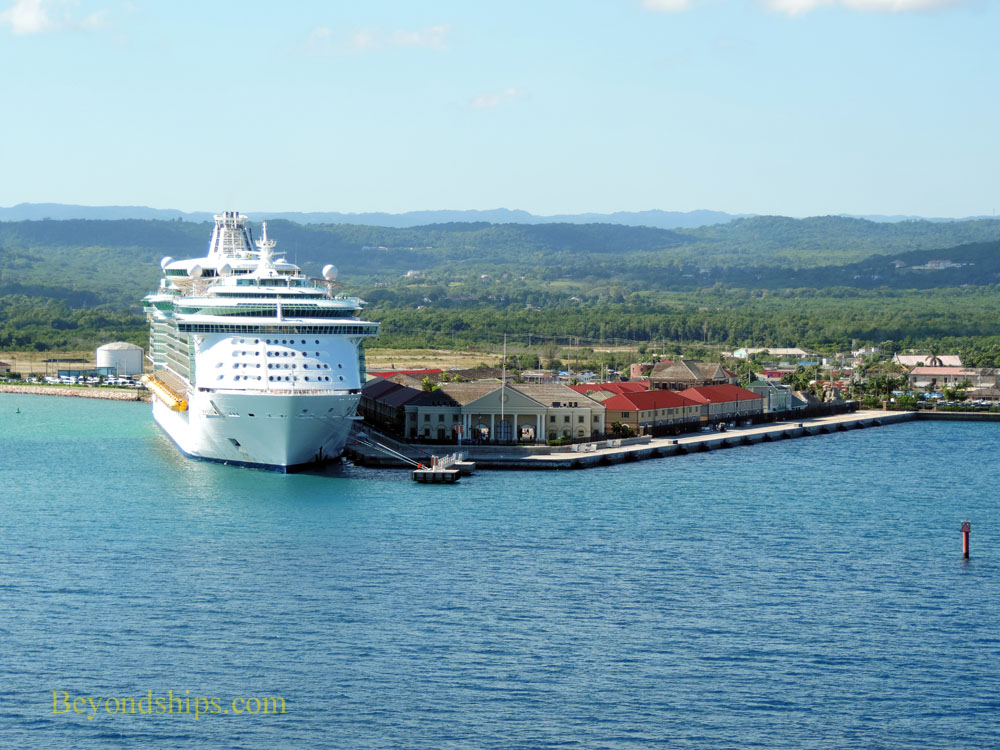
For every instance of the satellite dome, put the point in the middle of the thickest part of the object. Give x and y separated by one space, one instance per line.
194 271
330 272
225 269
167 260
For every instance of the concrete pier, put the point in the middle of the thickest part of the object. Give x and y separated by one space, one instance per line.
600 453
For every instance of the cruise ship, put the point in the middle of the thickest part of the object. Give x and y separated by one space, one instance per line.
254 363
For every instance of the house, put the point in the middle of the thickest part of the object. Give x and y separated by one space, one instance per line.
926 360
777 398
650 412
723 402
932 378
774 352
539 376
676 376
626 386
639 370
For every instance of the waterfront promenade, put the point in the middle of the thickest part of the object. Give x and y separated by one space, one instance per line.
607 452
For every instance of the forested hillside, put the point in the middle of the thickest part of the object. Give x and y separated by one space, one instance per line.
822 281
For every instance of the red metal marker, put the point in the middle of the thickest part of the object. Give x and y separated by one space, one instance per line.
966 528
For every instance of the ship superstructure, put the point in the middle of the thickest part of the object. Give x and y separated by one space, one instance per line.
254 363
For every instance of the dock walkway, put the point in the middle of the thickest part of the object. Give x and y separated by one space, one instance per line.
600 453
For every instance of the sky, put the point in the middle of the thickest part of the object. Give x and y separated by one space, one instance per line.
791 107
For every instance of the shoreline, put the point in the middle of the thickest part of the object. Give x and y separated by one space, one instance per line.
635 449
107 394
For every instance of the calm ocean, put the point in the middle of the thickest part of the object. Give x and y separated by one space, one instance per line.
802 594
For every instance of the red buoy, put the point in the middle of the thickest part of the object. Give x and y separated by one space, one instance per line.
966 528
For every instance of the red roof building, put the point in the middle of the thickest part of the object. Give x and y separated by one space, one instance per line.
722 402
644 411
390 373
618 388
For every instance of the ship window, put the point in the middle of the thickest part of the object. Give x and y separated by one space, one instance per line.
341 377
258 365
256 341
340 365
307 378
237 377
270 377
317 341
303 341
251 415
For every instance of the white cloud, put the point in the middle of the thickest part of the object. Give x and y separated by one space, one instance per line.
494 99
320 41
666 6
362 40
435 37
27 17
798 7
37 16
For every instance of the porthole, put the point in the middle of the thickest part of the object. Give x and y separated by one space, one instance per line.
317 341
341 377
241 341
303 341
236 378
340 365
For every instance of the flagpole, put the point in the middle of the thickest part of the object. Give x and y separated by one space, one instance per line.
503 377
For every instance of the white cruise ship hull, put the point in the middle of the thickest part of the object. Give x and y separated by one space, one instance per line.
279 432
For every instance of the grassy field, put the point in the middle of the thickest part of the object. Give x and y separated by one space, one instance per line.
427 359
33 363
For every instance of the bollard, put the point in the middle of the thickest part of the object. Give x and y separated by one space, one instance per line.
966 528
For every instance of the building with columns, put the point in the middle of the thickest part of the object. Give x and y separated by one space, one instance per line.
489 412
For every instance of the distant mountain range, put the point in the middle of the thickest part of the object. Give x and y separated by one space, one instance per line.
654 218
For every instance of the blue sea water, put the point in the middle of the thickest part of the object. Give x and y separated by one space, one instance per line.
801 594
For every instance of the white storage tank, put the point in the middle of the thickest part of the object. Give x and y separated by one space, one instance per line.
124 357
